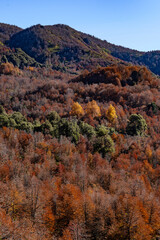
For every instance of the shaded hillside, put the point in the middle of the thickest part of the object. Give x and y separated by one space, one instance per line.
61 47
149 59
17 56
6 31
152 60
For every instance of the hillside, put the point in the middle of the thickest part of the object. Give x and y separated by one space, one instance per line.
79 157
149 59
118 75
63 48
17 57
6 31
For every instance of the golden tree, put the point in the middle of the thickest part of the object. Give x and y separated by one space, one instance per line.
93 109
9 69
77 109
111 114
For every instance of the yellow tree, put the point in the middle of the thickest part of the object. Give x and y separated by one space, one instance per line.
111 114
9 69
77 109
93 109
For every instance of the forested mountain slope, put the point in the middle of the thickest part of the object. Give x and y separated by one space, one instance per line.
6 31
62 47
79 156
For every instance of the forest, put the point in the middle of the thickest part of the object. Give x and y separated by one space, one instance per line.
79 154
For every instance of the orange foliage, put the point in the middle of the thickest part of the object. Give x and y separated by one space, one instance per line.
77 109
9 69
49 219
111 114
52 188
66 235
93 109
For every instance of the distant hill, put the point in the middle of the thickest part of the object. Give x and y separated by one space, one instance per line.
149 59
6 31
16 56
63 48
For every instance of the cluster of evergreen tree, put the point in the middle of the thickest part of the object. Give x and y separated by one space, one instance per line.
57 127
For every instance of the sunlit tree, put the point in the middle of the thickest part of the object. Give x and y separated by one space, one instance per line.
111 114
77 109
93 109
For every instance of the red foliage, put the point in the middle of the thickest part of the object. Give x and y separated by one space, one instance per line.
53 189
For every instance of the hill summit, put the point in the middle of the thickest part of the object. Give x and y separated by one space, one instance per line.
63 48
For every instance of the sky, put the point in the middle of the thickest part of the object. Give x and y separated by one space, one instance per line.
130 23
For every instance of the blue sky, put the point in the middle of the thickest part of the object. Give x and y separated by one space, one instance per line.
130 23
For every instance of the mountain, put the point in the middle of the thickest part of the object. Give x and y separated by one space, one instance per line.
79 155
63 48
16 56
6 31
149 59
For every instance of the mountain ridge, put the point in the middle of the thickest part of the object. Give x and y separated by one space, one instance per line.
7 30
61 47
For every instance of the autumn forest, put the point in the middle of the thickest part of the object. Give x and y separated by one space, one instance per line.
79 138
